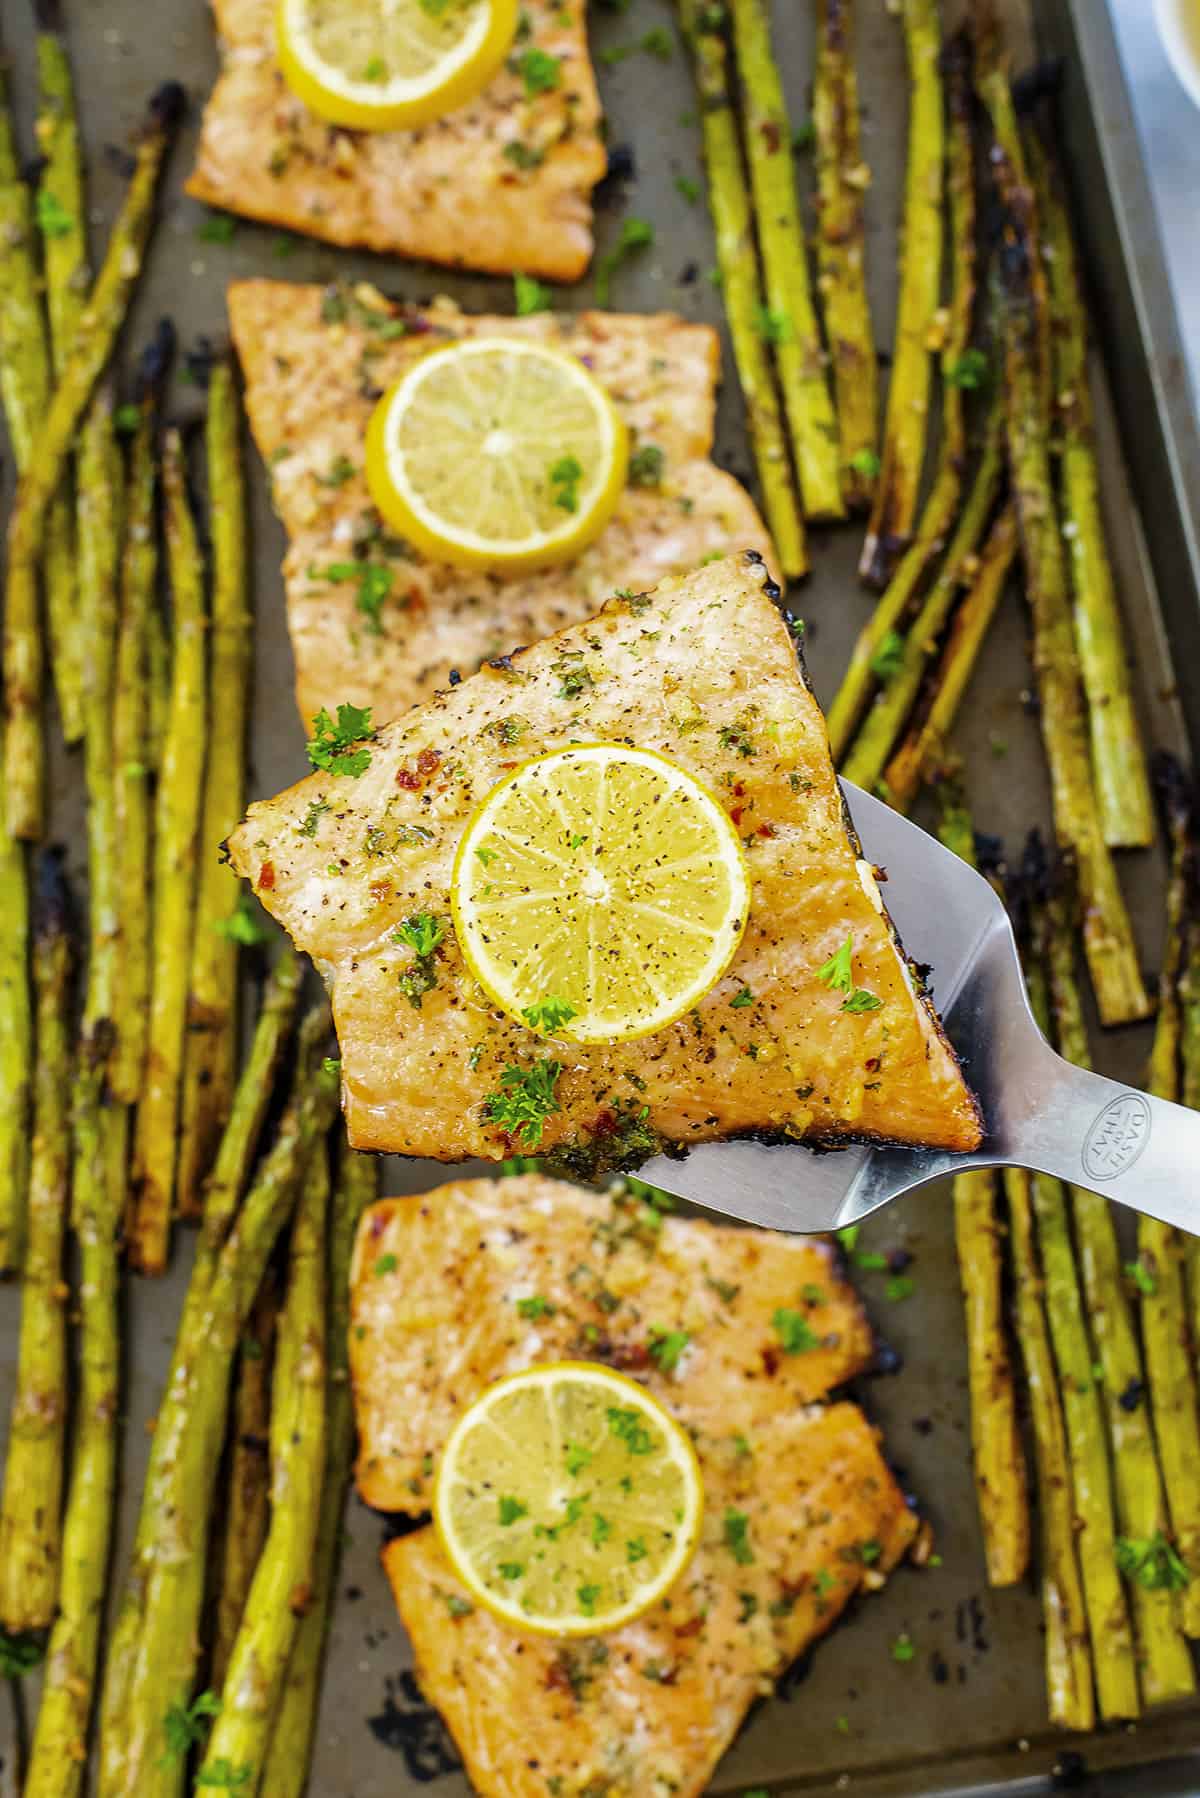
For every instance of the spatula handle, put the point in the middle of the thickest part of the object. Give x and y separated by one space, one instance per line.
1116 1141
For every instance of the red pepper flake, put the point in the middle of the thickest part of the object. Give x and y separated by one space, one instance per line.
692 1627
603 1124
736 814
379 1222
766 830
427 761
266 877
405 778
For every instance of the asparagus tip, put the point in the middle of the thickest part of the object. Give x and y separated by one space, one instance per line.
52 896
168 104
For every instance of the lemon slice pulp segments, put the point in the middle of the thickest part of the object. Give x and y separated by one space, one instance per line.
492 453
603 882
386 65
567 1499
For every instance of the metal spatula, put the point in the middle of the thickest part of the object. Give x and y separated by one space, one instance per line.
1039 1111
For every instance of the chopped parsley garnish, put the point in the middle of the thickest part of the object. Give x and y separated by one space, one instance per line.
772 326
865 462
548 1015
796 1335
185 1725
52 216
577 1457
524 156
510 1509
1143 1279
848 1237
635 1550
824 1583
626 1425
601 1529
736 1536
246 923
749 1604
587 1596
534 1306
341 470
333 740
525 1101
422 932
687 188
20 1653
1153 1564
386 1264
530 295
636 234
869 1552
838 973
486 856
666 1346
457 1607
223 1775
331 1065
374 586
646 466
565 476
899 1287
375 70
217 227
126 420
511 1569
742 999
312 817
658 41
539 71
969 370
804 136
903 1649
888 659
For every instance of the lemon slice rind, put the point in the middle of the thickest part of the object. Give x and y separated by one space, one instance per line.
675 1470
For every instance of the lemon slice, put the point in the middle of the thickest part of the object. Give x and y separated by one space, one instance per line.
599 892
384 65
567 1499
497 454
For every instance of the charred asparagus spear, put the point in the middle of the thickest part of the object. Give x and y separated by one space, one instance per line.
59 1756
791 317
16 1048
1108 938
286 1771
1000 1478
99 513
1163 1656
176 834
1174 1398
211 1059
869 752
740 285
903 459
282 1583
1069 1661
30 1515
247 1509
1118 753
131 777
882 631
1091 1480
930 727
62 213
101 320
152 1660
842 178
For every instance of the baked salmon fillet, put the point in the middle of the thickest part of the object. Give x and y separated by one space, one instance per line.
706 670
315 362
647 1710
500 184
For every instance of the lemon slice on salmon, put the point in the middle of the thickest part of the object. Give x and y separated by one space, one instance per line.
599 891
493 453
568 1501
388 65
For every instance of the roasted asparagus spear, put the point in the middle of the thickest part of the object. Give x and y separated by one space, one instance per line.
282 1584
1000 1477
99 513
1170 1369
740 284
176 836
1164 1660
1108 937
1068 1654
16 1048
211 1056
30 1515
286 1771
101 320
1119 766
247 1508
842 178
60 1745
791 317
895 505
152 1660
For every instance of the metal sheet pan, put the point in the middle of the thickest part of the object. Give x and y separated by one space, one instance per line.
968 1714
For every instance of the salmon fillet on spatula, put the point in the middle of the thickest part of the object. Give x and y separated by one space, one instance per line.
817 1029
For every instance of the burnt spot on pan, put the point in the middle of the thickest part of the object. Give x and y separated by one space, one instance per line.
412 1728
